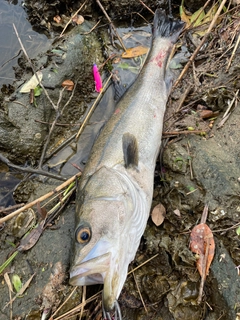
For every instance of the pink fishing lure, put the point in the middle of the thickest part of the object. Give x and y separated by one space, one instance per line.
97 78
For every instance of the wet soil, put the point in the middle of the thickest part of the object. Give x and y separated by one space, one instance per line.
192 170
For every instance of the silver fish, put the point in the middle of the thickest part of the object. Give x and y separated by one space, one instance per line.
115 193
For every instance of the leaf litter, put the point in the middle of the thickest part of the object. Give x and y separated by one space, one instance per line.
202 243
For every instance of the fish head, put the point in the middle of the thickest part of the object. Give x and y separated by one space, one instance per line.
104 238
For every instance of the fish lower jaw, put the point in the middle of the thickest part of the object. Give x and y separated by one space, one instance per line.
78 280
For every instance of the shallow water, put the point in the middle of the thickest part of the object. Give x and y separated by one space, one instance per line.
10 50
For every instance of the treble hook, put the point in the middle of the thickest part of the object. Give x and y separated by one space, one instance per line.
117 313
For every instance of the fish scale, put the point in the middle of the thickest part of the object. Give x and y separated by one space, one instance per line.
115 193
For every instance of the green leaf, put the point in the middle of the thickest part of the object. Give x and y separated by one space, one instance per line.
17 283
37 91
199 19
178 159
124 65
238 231
8 261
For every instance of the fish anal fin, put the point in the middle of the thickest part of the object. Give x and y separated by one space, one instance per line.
130 150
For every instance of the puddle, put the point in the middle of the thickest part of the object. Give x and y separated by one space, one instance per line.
13 12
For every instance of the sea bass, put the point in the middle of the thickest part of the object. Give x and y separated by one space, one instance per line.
115 193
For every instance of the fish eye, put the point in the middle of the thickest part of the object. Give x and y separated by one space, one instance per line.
83 234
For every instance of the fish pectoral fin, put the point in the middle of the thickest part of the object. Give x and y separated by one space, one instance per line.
130 150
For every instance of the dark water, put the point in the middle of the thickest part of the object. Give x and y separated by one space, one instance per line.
13 12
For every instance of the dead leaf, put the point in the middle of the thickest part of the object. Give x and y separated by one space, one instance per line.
31 239
158 214
69 84
184 17
22 290
78 19
57 19
205 114
8 282
202 243
32 83
135 52
42 211
177 212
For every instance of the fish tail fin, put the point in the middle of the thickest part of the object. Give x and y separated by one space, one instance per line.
166 27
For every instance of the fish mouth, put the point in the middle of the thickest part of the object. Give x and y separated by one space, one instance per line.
89 272
100 266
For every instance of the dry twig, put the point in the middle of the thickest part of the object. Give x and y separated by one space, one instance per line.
93 107
94 27
30 170
110 21
183 98
146 6
228 111
233 53
33 69
176 133
10 289
45 196
58 115
22 290
71 19
139 292
212 24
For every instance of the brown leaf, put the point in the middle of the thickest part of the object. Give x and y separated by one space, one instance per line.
158 214
42 211
135 52
78 19
69 84
32 238
205 114
202 243
177 212
57 19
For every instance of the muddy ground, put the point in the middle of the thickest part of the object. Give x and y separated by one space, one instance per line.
198 164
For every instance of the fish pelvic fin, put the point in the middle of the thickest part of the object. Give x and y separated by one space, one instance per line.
166 27
130 150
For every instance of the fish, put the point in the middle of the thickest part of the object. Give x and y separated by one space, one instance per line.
114 195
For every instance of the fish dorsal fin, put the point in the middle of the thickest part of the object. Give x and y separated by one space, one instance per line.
130 150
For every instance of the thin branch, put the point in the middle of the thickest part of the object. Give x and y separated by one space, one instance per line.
228 111
233 53
110 21
64 302
146 7
176 133
71 19
12 208
139 292
30 170
201 43
33 69
58 115
93 107
45 196
94 27
200 12
55 107
183 98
